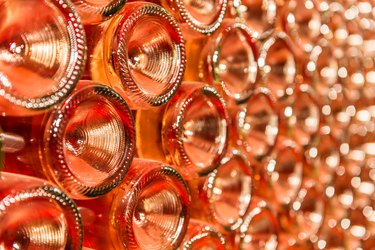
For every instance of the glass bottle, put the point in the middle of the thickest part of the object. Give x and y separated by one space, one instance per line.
301 117
255 126
259 15
93 12
196 17
322 70
301 20
260 229
225 194
280 177
140 53
35 214
191 131
85 145
229 61
42 54
201 235
277 65
148 210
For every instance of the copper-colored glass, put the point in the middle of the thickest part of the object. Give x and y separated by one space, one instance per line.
229 60
225 194
256 125
42 54
140 53
277 64
149 210
94 11
260 15
192 129
85 145
201 235
35 214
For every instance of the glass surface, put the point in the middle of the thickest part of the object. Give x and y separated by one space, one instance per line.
41 55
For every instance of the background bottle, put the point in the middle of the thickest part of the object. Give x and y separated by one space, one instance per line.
225 194
149 209
146 70
229 61
201 235
41 55
35 214
85 145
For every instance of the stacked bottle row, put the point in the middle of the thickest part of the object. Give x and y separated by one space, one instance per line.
165 125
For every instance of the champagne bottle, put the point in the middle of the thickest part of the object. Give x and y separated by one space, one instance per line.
225 194
85 145
201 235
277 65
191 131
35 214
93 12
256 125
260 15
229 61
42 54
149 210
260 229
140 53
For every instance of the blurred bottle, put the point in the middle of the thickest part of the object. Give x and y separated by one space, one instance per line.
260 229
85 145
304 217
301 20
322 70
201 235
277 65
93 12
140 53
324 157
196 18
301 117
229 61
259 15
191 131
255 125
149 210
34 214
42 54
280 177
225 194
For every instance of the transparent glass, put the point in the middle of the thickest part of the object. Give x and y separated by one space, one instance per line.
324 157
85 145
256 125
277 64
34 214
225 194
308 210
229 60
283 173
301 20
260 229
96 11
192 129
201 235
140 53
334 26
149 210
302 116
322 69
257 14
42 54
203 17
